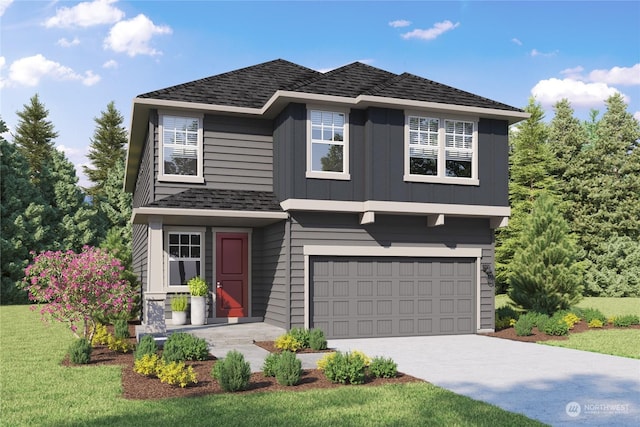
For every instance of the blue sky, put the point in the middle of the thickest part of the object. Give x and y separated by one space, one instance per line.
79 56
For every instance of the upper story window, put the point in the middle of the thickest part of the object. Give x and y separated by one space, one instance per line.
327 144
441 150
181 148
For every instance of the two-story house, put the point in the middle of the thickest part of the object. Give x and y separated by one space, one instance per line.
358 201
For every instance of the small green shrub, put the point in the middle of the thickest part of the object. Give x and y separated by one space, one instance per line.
595 323
570 319
270 365
381 367
101 335
589 314
80 351
556 326
539 319
345 368
301 335
502 323
232 372
317 341
524 325
177 373
324 360
179 303
198 287
288 369
287 342
121 328
148 365
121 345
626 320
507 312
181 346
147 345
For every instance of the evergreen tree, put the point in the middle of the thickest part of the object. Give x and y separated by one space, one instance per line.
614 269
567 137
107 147
545 273
22 225
34 136
529 167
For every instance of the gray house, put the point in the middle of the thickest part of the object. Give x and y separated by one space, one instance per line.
358 201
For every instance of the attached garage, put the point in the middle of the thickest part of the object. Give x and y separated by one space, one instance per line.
371 296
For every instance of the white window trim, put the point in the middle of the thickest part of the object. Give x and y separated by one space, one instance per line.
441 178
345 175
185 230
194 179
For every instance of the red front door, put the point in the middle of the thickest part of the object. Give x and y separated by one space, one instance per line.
232 274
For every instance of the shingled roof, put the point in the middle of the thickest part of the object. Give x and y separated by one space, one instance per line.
236 200
253 86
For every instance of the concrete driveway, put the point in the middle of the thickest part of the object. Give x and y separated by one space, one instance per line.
557 386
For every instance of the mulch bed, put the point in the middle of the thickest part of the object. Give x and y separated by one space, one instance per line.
271 348
139 387
510 333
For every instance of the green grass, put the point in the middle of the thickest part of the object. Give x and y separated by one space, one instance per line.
36 390
608 305
618 342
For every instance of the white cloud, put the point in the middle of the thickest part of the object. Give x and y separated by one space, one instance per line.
536 52
66 43
112 63
133 36
86 14
617 75
516 41
69 151
636 115
30 70
574 73
579 93
3 62
433 32
399 23
4 4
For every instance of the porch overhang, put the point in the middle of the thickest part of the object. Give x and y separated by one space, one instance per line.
213 217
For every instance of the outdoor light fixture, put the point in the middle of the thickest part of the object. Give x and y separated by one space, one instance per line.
486 268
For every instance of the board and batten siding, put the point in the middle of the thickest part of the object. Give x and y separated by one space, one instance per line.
376 162
344 230
237 155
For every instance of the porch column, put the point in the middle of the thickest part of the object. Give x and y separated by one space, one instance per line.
154 295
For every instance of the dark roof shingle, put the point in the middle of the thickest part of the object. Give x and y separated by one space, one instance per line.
236 200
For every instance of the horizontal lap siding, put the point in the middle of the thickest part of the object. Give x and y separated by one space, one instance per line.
139 252
345 230
273 286
142 194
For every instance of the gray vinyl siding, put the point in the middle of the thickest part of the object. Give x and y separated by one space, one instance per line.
139 252
273 292
237 155
376 162
344 230
144 181
259 295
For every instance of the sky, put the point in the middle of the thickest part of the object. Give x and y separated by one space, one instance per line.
79 56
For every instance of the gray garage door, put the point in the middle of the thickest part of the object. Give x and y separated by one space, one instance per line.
382 297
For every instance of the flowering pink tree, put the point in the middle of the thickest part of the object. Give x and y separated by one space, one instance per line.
78 288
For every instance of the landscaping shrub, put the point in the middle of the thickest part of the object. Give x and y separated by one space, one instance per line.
381 367
570 319
270 365
504 317
524 325
302 335
595 323
121 345
101 336
232 372
181 346
121 328
345 368
540 320
288 369
324 360
626 320
179 303
556 326
177 373
287 342
589 314
80 351
317 341
147 345
148 365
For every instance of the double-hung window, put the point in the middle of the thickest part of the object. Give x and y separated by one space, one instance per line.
181 148
185 255
441 150
327 144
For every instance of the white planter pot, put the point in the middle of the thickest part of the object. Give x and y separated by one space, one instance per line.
198 310
179 317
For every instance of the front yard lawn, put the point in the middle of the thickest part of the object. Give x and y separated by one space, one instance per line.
617 342
37 390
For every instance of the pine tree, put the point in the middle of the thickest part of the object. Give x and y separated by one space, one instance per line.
545 273
567 137
34 136
106 148
529 167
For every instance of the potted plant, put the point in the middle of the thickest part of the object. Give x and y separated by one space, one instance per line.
179 309
199 290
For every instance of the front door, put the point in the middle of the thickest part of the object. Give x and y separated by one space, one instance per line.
232 274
